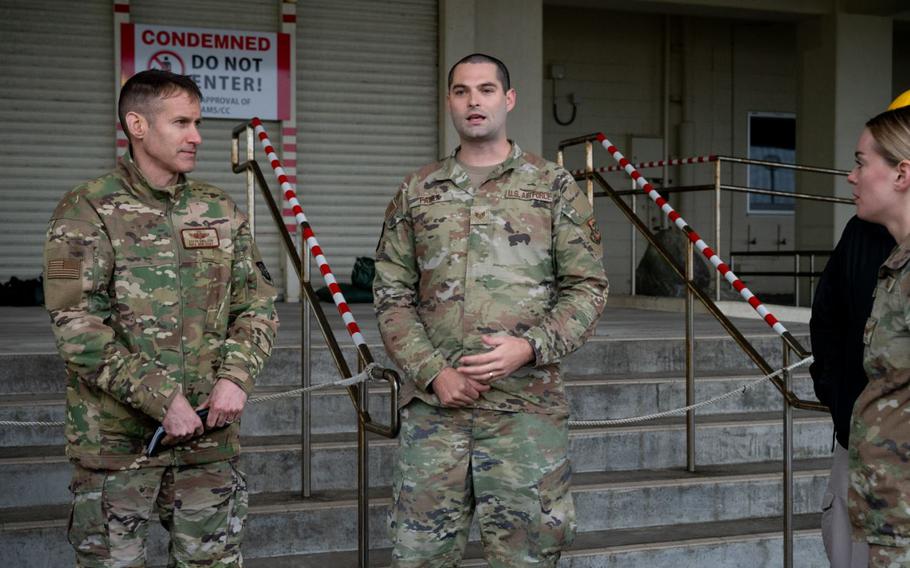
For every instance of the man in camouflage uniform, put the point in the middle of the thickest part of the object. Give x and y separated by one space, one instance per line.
488 272
161 305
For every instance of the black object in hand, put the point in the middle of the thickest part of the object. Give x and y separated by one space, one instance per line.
155 443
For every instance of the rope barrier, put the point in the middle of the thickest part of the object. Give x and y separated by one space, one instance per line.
683 410
367 373
360 377
655 164
693 236
308 235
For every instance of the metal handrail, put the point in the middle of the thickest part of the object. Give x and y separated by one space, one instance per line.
796 273
740 189
357 393
790 399
709 304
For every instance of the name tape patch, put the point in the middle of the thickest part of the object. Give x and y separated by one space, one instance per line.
199 238
529 195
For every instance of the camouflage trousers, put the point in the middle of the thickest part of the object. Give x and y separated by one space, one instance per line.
203 508
888 556
510 467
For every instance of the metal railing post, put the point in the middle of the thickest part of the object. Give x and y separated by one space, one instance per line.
306 370
363 477
634 242
690 357
788 464
589 168
717 277
796 280
251 180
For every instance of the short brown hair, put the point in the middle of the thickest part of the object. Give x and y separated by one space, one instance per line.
141 91
502 72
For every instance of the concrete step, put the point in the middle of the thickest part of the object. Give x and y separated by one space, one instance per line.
590 398
44 372
273 463
756 543
282 524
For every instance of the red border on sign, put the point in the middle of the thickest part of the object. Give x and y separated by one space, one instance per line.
127 52
284 76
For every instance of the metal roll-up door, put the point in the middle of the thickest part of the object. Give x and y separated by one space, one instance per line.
214 158
367 114
57 116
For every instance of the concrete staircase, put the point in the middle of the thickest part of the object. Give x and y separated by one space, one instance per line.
636 504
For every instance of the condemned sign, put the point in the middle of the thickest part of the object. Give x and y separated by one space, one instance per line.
240 73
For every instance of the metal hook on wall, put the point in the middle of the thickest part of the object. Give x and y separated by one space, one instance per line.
558 72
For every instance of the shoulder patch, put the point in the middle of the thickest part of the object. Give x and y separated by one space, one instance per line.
63 269
391 208
593 230
264 271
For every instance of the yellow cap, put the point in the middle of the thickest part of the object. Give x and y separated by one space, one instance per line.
901 101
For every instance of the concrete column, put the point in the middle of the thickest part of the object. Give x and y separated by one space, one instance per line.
511 30
845 79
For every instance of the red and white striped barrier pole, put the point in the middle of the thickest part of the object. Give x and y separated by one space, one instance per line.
655 164
700 244
308 235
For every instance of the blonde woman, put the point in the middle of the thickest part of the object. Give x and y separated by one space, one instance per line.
879 498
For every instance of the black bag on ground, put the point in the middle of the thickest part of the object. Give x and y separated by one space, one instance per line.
361 289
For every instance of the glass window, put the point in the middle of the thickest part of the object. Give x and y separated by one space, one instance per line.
772 138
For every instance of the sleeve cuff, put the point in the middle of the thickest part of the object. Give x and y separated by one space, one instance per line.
537 340
427 372
237 375
155 394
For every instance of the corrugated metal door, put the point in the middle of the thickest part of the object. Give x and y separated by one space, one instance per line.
57 116
366 103
214 164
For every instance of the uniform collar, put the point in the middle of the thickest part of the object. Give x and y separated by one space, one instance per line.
141 185
452 170
899 256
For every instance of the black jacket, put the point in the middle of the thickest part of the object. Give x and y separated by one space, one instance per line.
842 304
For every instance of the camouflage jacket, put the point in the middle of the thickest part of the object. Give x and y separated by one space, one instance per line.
520 255
880 429
152 292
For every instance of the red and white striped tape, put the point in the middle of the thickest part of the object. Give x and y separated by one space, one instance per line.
288 191
655 164
700 244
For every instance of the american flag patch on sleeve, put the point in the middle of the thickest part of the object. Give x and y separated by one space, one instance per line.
63 268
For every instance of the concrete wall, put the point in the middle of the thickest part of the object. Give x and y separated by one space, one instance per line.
510 30
900 62
720 69
845 78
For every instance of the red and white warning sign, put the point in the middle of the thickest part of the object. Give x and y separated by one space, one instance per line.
240 73
167 61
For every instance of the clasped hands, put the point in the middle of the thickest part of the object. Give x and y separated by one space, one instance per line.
460 386
225 405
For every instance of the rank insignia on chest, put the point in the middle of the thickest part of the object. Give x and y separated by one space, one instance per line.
199 238
480 215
